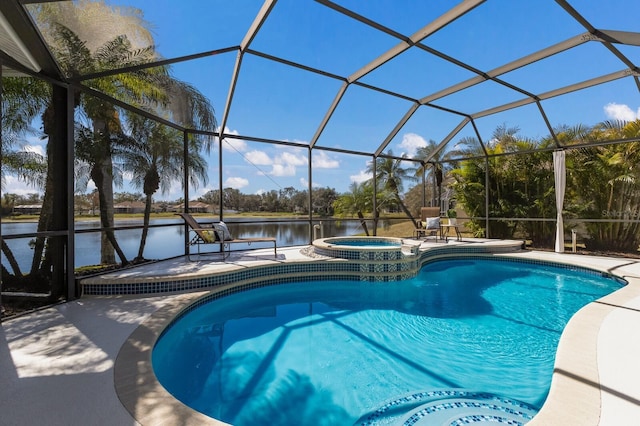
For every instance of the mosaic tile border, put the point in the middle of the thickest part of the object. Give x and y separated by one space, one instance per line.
372 271
433 396
376 271
485 419
352 248
456 405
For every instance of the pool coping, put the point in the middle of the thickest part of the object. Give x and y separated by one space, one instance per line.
578 385
575 395
144 280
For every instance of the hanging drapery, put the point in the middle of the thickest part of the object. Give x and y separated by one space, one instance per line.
560 181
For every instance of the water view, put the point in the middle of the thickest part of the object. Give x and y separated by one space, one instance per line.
165 242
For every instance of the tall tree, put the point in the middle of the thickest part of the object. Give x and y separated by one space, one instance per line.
23 100
435 168
512 193
358 201
97 23
90 36
139 88
149 88
155 160
605 184
390 176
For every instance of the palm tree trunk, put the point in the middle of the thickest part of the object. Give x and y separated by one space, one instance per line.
406 211
363 222
105 195
46 214
145 227
11 259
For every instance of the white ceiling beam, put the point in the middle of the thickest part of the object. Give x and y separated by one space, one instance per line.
11 44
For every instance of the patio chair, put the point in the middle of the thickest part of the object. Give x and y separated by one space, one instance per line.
429 222
218 233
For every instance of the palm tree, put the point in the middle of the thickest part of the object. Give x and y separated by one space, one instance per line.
23 100
518 185
391 176
151 88
35 97
439 168
141 87
610 185
96 49
91 151
358 201
155 159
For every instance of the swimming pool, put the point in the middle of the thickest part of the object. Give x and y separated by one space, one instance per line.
462 336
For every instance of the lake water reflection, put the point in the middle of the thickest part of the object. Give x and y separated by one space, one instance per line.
165 242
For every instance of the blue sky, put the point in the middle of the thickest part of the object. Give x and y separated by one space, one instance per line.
279 102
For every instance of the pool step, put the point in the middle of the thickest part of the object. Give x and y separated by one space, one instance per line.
410 248
451 408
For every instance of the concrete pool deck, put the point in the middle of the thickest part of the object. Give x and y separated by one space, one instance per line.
65 365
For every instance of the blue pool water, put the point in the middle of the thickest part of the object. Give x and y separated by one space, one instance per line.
462 335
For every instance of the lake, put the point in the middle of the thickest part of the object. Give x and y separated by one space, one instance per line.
165 242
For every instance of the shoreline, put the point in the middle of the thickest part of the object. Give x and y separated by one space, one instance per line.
127 216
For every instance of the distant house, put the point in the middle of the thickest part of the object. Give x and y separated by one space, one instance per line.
129 207
196 207
28 209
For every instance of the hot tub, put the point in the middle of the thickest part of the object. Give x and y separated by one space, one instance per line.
365 248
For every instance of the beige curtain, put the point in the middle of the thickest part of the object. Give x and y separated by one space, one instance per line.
561 182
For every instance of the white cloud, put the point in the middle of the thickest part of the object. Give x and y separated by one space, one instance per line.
234 145
259 158
361 177
321 160
411 142
284 164
291 159
236 182
15 186
283 170
305 183
621 112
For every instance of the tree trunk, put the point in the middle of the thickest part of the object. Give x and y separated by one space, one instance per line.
406 211
11 259
363 222
145 227
105 195
45 219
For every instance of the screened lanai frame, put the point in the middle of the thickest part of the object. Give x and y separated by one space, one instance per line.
45 67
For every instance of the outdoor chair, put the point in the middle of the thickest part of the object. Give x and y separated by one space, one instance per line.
218 233
429 222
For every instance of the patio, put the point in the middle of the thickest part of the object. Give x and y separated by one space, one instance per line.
293 97
74 346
